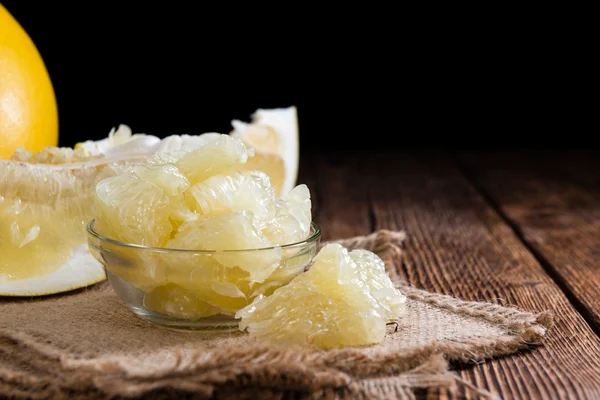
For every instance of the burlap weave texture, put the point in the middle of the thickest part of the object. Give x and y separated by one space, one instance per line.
88 344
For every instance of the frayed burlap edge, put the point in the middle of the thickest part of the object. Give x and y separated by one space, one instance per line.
271 372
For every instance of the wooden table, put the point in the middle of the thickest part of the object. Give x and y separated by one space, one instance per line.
514 228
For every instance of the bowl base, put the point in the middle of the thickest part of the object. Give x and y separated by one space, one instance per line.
214 324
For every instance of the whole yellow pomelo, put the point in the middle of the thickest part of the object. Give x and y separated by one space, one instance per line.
28 113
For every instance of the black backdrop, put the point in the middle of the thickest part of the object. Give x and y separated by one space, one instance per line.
177 67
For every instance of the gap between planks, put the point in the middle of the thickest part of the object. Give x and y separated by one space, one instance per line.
543 261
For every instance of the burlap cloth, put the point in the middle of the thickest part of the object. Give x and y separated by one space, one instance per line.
89 345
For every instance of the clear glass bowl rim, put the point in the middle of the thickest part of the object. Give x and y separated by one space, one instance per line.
313 238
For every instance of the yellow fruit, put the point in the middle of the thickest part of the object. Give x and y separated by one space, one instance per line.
165 176
214 157
293 262
43 213
222 194
273 134
41 218
28 113
331 305
225 288
371 270
175 146
177 302
132 210
234 231
230 289
119 142
218 210
293 217
46 201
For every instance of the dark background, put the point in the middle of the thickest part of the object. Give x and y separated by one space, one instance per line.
358 81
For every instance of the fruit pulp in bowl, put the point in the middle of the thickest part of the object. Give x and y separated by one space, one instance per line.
197 289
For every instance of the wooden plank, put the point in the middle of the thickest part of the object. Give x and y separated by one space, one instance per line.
552 200
457 244
341 194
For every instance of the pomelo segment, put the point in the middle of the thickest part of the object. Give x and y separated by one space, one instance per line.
173 183
136 211
132 210
331 305
292 219
273 134
119 141
178 302
371 270
222 287
214 157
234 231
165 176
222 194
293 262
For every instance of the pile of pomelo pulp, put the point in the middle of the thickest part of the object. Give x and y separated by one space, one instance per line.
219 212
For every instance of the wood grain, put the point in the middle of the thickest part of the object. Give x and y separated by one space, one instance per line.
341 195
457 244
553 202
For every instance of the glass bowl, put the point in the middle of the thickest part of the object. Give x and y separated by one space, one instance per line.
185 289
